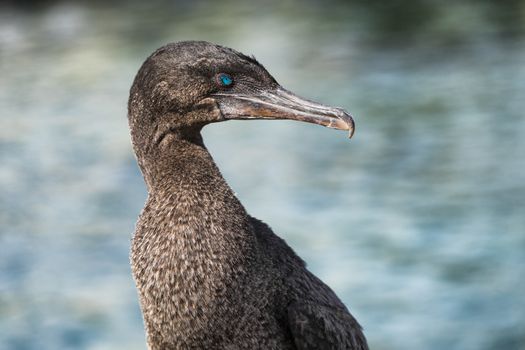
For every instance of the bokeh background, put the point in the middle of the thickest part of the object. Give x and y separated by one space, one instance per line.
418 222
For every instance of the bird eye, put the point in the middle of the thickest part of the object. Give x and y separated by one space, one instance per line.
224 79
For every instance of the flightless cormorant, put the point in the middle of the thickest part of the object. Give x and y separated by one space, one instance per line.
210 276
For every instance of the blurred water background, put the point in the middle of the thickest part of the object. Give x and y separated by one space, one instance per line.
418 222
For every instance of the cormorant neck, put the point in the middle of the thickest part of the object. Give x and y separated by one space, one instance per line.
184 181
179 158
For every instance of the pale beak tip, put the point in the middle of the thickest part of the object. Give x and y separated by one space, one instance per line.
351 129
350 124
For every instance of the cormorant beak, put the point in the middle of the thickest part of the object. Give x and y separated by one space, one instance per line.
282 104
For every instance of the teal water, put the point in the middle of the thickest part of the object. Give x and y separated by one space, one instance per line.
418 222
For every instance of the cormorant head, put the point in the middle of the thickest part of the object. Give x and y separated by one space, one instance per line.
183 86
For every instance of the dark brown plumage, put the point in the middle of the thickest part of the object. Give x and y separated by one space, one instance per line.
210 276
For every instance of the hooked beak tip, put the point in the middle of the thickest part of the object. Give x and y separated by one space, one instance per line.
345 122
351 131
351 128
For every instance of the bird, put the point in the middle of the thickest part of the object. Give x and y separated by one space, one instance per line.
208 274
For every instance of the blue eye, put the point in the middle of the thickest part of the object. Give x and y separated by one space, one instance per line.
224 79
